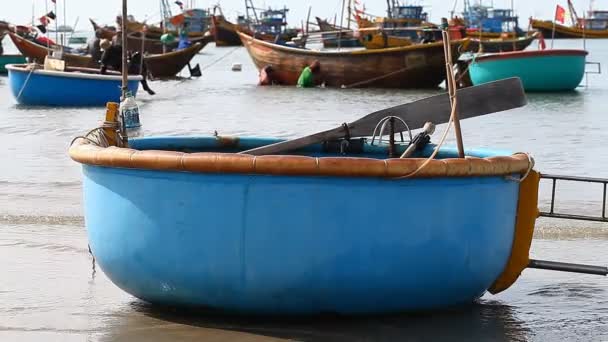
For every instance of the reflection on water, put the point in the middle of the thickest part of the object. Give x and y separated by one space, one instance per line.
48 290
483 321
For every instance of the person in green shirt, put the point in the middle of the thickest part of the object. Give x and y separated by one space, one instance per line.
307 77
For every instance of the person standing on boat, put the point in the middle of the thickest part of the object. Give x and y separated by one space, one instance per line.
94 46
112 59
307 77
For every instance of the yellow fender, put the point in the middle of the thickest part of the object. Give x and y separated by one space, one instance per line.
527 212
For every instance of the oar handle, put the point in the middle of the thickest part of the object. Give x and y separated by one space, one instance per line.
295 144
567 267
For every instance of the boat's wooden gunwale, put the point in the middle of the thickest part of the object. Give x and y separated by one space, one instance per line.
84 152
530 54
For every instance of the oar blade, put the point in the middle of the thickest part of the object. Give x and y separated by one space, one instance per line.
474 101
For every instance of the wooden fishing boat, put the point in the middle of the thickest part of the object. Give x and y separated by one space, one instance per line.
382 39
160 66
563 31
225 32
502 44
151 43
10 59
539 70
151 40
32 85
332 38
416 66
152 31
37 53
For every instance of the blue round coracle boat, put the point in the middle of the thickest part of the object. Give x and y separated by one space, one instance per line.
539 70
76 87
189 222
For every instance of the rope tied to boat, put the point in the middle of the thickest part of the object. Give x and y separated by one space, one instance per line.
366 82
32 68
531 164
98 136
451 85
219 59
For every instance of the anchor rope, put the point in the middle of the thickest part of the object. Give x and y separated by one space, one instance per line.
219 59
27 79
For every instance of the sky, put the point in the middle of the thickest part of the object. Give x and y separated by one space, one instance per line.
105 10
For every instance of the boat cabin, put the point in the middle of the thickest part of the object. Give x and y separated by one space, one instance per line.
596 20
489 19
272 21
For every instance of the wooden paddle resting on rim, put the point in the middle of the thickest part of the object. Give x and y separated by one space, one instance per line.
472 101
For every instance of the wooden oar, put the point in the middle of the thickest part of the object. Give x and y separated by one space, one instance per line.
472 101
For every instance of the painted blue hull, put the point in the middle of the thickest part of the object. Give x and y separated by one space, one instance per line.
299 245
56 90
548 70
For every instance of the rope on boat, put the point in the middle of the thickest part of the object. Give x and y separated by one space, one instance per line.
451 83
219 59
98 136
356 84
26 81
530 167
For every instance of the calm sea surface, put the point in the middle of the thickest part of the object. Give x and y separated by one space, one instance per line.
49 290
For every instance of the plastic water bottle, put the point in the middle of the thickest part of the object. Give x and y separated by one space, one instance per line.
129 111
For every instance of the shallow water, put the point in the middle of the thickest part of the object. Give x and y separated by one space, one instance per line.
50 291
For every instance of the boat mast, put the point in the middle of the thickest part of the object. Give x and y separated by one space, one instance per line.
56 25
341 25
350 14
65 24
125 76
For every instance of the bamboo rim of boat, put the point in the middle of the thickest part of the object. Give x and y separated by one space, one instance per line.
413 47
86 152
80 73
530 53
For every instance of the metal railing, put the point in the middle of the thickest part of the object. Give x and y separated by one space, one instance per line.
552 213
598 71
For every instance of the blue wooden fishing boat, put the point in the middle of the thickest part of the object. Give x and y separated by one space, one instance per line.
187 221
32 85
539 70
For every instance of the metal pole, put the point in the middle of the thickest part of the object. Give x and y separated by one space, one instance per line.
125 75
350 15
65 23
566 267
341 23
56 26
553 32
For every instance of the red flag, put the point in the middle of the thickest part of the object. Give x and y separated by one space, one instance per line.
560 14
